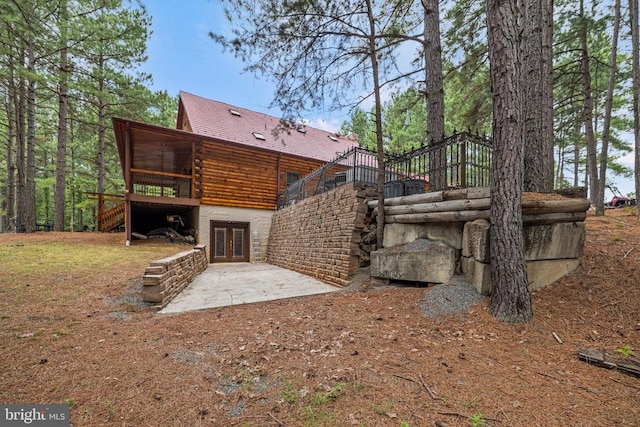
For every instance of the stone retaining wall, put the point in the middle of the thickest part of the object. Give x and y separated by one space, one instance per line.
320 236
165 278
426 240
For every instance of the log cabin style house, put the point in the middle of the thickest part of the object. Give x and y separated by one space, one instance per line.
217 175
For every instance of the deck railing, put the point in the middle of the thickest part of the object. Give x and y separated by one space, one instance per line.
459 161
111 219
356 165
160 184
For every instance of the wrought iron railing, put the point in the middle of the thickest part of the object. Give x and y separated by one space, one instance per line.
356 165
459 161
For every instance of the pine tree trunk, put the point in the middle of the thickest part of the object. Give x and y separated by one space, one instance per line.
547 94
63 105
30 186
102 174
9 218
510 297
608 106
20 100
101 119
61 156
373 57
434 94
587 109
635 53
576 161
538 96
9 191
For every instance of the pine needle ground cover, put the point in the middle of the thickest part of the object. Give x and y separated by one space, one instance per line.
73 330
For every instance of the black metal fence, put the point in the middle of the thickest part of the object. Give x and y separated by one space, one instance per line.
356 165
459 161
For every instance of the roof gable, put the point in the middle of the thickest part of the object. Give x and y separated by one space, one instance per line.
239 125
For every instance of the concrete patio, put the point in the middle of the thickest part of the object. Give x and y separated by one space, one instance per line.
228 284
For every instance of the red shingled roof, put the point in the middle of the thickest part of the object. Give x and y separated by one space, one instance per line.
214 119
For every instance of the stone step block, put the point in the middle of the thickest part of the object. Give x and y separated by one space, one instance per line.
421 261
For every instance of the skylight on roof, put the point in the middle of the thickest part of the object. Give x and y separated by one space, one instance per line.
234 112
258 135
301 129
333 138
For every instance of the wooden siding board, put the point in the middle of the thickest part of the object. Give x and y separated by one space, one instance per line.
242 177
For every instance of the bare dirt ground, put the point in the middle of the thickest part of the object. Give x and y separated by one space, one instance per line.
73 331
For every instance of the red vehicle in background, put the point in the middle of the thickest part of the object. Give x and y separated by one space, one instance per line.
618 200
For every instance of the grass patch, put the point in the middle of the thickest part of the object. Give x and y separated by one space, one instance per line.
333 394
317 411
60 262
44 272
384 409
289 392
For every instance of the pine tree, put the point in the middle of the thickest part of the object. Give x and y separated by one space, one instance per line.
510 297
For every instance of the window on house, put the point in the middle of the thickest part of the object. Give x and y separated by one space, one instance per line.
293 177
258 135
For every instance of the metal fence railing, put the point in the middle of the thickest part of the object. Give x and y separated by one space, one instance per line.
459 161
356 165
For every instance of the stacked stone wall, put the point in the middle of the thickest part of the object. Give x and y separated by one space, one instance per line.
165 278
320 236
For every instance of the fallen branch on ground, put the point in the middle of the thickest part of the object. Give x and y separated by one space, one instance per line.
433 394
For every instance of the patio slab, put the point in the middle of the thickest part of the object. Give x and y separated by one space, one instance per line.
222 285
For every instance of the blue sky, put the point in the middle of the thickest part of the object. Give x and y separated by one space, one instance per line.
182 56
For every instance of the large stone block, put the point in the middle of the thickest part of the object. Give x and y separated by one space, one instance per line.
447 233
420 261
539 273
545 272
554 241
475 240
478 274
401 234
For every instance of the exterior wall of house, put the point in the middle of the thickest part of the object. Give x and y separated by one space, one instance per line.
320 236
245 177
259 222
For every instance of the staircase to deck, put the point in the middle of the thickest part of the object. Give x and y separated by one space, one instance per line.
111 219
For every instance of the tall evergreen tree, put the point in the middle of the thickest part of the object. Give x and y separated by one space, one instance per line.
434 92
318 52
62 91
608 107
635 55
106 65
510 297
538 95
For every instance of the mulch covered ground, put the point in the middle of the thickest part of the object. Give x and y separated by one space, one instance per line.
350 358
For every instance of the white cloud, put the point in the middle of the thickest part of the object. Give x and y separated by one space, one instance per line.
628 159
332 125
